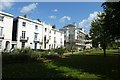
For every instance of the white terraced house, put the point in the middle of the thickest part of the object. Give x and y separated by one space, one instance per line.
56 38
6 24
35 34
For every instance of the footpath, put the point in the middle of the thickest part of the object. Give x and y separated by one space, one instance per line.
71 53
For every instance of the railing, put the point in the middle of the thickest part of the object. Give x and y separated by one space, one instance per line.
24 38
1 36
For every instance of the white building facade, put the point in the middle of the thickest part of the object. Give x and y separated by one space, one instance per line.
35 34
6 24
74 37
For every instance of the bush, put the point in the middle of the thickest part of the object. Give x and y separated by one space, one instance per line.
60 51
44 54
36 55
20 55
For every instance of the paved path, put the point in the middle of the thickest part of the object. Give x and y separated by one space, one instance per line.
71 53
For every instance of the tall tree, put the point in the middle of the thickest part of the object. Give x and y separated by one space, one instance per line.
100 33
112 11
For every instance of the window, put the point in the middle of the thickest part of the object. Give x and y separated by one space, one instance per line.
23 34
1 31
24 24
45 29
35 46
36 27
44 38
45 45
1 18
0 44
35 36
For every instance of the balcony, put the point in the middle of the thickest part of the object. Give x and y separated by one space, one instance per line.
24 39
36 40
1 36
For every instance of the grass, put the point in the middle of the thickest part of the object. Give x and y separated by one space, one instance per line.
84 66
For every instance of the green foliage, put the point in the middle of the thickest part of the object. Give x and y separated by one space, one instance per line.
60 51
100 33
112 11
20 55
72 67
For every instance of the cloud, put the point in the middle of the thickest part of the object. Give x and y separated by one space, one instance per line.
29 8
52 17
5 5
64 18
55 10
87 22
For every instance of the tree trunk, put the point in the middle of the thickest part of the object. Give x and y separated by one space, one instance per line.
104 52
72 50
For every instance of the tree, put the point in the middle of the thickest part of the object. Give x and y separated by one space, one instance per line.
112 11
72 42
106 28
99 32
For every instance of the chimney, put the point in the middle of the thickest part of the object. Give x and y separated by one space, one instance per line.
39 20
54 27
25 16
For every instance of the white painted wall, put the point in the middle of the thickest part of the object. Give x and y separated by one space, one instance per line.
30 30
7 25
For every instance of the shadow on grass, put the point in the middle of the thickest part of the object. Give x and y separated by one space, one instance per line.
32 71
105 68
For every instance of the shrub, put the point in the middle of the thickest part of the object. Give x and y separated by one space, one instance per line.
36 55
60 51
44 54
19 55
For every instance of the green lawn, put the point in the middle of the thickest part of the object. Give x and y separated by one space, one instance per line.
83 66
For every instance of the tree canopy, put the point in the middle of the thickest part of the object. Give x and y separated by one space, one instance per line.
112 11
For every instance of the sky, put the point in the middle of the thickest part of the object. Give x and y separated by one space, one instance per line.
58 13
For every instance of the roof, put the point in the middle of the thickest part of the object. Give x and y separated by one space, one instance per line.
27 19
6 14
69 25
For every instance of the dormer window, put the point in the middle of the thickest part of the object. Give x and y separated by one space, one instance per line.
1 18
24 24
